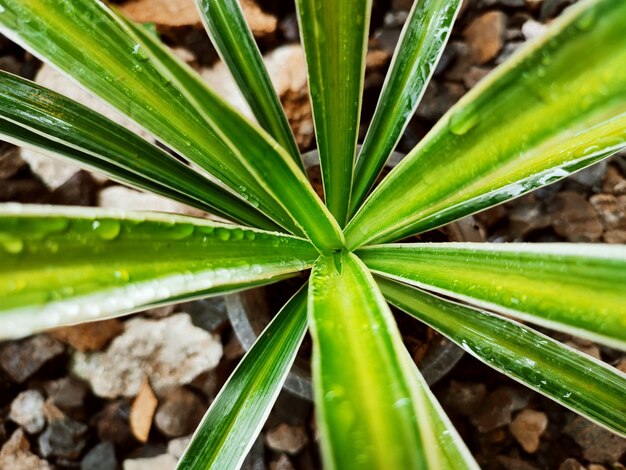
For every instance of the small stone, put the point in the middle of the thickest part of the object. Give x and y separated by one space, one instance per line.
10 163
142 412
16 454
120 197
91 336
209 314
533 29
260 23
153 350
23 190
621 365
613 182
592 176
67 393
179 413
607 207
595 466
598 444
21 359
527 428
160 462
286 438
113 423
162 12
464 397
511 463
485 36
498 407
176 447
63 437
475 75
233 349
574 218
617 236
438 98
27 411
79 190
101 457
283 463
571 464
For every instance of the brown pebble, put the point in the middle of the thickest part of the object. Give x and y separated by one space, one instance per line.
93 336
485 36
142 412
574 218
287 438
527 428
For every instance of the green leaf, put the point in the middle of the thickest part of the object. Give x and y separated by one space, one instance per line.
334 35
225 23
84 39
539 117
50 122
255 149
374 409
576 380
419 48
579 289
66 265
235 418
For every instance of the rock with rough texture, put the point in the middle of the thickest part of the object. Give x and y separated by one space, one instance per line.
21 359
598 444
91 336
574 218
101 457
67 393
286 438
283 463
160 462
179 413
55 172
63 437
527 428
498 407
16 454
10 162
571 464
613 181
162 12
176 447
113 424
167 352
485 36
121 197
27 410
79 190
464 397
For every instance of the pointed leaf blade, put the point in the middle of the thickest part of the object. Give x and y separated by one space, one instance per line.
372 408
225 23
539 117
334 35
423 39
55 124
255 150
578 289
230 427
87 41
66 265
576 380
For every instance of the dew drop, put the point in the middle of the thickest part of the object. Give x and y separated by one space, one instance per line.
13 246
222 233
107 229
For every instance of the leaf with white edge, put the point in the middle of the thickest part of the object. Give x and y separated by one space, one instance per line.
273 168
225 23
423 39
230 427
373 407
334 34
88 42
539 117
578 381
42 119
61 266
576 288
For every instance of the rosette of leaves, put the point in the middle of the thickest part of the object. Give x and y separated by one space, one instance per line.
557 106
